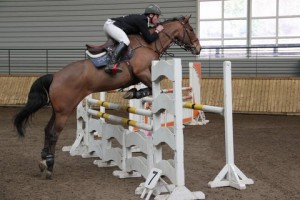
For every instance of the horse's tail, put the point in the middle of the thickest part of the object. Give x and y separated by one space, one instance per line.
38 97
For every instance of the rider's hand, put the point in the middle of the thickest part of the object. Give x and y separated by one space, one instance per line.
159 28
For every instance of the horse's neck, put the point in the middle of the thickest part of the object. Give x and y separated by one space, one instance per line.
161 44
166 37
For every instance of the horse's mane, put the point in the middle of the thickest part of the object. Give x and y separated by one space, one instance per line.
179 18
173 19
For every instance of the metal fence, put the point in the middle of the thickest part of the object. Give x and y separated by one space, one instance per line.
283 60
260 60
37 61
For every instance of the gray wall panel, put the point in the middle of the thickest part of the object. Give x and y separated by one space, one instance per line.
70 24
64 24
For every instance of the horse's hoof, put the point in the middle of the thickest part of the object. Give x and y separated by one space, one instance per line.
43 165
128 95
48 175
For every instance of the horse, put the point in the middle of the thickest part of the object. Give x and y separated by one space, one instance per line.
64 89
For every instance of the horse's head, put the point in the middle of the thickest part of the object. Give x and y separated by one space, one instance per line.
179 31
187 38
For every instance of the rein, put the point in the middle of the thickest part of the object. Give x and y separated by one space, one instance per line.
163 50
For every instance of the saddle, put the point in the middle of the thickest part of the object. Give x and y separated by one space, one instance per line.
100 55
96 49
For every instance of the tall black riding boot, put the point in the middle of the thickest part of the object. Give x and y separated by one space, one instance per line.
113 68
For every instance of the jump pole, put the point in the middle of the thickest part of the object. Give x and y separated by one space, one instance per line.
119 107
193 106
121 120
230 175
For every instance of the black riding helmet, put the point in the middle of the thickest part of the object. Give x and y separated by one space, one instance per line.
153 9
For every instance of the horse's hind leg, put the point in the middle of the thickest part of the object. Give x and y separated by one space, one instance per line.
52 131
46 151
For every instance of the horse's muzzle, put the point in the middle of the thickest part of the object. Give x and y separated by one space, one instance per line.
196 50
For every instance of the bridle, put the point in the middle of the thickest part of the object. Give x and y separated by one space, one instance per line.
163 48
187 47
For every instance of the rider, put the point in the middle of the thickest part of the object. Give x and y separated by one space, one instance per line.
118 29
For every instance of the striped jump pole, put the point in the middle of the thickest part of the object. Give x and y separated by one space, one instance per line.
119 107
213 109
121 120
170 90
189 105
187 97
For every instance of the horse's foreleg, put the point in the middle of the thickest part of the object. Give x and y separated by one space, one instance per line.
145 78
137 94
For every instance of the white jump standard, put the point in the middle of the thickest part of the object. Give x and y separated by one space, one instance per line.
173 169
230 175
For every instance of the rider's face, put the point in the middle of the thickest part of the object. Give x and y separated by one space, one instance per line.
155 19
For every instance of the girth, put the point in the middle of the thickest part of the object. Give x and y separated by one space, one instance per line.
132 75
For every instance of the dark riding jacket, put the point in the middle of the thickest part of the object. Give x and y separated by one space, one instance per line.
135 24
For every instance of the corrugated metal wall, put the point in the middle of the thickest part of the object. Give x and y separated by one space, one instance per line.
62 24
70 24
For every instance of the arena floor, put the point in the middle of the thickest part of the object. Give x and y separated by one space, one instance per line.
266 150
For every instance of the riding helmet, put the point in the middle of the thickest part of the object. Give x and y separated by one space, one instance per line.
153 9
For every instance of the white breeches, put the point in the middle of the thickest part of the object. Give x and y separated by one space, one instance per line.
115 32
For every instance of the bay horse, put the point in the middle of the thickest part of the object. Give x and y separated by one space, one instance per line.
64 89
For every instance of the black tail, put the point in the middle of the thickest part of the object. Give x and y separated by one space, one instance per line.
38 97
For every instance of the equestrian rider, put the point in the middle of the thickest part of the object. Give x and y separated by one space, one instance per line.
118 29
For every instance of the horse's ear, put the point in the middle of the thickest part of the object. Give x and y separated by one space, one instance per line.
187 18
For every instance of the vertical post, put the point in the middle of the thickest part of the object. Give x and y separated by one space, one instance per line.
156 116
178 127
228 113
230 175
195 82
